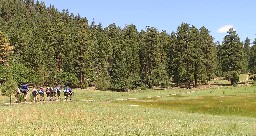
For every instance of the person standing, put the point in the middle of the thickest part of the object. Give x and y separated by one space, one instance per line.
34 93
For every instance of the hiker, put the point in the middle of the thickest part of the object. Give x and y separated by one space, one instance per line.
67 93
52 94
41 93
34 93
24 89
48 93
57 90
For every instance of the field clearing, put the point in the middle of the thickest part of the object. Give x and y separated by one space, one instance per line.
212 111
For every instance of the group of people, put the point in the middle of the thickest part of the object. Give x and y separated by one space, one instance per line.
52 93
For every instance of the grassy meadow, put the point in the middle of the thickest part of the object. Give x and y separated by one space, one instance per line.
209 111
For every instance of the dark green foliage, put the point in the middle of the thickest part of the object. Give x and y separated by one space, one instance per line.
9 87
102 81
153 72
102 53
68 79
125 66
192 56
21 73
252 59
246 47
208 63
231 56
218 72
131 47
234 78
52 46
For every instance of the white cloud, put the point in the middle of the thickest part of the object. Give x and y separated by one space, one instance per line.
225 28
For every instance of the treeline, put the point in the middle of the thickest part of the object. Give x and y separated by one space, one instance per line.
52 46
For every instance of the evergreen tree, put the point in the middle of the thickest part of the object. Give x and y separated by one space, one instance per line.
150 58
118 69
182 61
132 61
163 78
218 72
252 58
208 55
125 67
191 55
83 51
232 55
101 55
57 46
246 55
9 88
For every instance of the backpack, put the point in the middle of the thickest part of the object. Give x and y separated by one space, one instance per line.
66 90
34 93
40 91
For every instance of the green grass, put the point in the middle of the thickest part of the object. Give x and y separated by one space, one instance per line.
220 82
214 111
226 105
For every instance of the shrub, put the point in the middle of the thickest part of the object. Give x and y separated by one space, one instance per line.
102 83
234 78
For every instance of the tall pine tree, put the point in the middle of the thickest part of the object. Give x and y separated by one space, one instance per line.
232 55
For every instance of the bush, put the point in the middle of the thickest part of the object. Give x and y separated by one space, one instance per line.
234 78
68 79
9 87
253 83
102 83
84 85
253 77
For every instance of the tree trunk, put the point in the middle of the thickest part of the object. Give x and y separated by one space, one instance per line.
196 80
196 76
10 99
81 79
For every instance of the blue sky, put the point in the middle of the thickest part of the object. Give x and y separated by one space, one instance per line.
215 15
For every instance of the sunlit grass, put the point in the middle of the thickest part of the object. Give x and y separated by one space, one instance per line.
226 105
243 77
150 112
